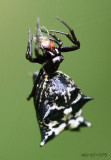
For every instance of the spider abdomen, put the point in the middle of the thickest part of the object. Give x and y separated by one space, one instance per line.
57 101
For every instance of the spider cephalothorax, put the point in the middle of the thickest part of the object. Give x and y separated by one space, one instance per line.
57 99
47 44
50 52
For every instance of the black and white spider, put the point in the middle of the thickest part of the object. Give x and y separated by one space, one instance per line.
57 99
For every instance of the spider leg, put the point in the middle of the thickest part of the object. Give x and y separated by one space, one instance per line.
40 58
71 37
71 30
68 48
56 39
29 48
66 34
36 81
37 39
59 44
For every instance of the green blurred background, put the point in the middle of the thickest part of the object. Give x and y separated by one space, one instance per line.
89 67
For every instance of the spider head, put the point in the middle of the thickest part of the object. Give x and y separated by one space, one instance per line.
46 43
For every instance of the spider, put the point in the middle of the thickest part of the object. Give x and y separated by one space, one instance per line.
51 58
57 99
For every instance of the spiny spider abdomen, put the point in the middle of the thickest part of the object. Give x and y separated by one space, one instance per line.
57 99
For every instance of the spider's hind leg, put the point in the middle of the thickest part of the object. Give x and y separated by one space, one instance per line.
36 78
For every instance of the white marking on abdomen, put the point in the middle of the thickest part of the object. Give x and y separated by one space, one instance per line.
77 99
78 113
59 129
68 110
75 123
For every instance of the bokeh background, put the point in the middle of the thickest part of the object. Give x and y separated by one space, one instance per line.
89 67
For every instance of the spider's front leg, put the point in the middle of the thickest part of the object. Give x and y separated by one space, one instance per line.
71 37
29 47
37 40
39 58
